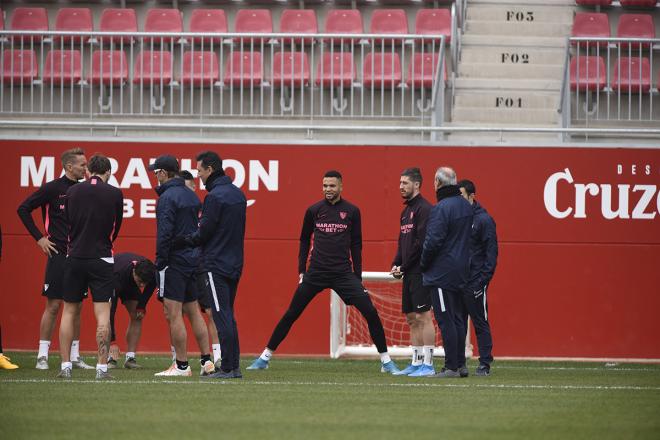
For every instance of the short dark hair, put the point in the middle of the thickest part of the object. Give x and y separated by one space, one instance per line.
145 270
414 174
186 175
98 164
468 185
210 159
68 156
333 173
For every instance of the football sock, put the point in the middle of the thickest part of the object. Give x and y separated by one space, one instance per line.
385 357
266 355
130 354
173 352
102 367
428 355
66 365
43 348
75 351
417 356
204 358
181 365
216 352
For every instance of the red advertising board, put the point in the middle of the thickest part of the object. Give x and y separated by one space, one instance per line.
579 234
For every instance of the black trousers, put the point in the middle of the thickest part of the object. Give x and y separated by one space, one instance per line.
223 293
448 311
477 309
350 290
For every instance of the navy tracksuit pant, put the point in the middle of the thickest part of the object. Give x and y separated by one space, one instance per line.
477 309
223 293
448 310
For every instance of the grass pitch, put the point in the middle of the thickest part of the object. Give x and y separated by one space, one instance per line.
333 399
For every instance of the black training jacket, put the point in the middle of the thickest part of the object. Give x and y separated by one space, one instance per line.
412 232
483 248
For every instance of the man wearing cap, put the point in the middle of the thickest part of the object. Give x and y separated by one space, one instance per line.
177 214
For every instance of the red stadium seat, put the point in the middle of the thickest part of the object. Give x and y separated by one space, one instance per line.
639 3
389 21
163 20
73 20
153 67
298 21
256 21
422 71
119 20
208 21
336 69
635 26
200 68
30 19
63 67
434 22
381 70
2 20
19 67
244 69
343 21
594 2
109 67
632 75
591 25
588 73
290 69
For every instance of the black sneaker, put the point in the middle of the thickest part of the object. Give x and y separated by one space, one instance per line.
482 370
446 373
463 371
112 363
223 375
237 373
131 364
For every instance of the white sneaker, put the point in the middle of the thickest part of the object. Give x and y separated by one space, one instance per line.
207 368
42 363
81 364
174 371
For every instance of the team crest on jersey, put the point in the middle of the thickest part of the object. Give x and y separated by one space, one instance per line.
343 215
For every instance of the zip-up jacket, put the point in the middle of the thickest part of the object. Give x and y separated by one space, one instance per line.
51 199
124 281
94 212
445 260
483 248
177 214
411 234
337 232
221 230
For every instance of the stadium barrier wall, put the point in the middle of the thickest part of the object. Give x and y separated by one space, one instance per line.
579 232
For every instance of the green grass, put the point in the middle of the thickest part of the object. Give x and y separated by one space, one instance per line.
334 399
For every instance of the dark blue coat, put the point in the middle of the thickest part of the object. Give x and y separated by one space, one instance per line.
177 213
445 260
222 228
483 248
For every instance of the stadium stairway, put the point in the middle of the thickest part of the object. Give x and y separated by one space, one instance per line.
511 66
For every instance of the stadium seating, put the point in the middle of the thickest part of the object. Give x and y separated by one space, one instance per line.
30 19
639 3
635 26
422 70
298 21
244 69
19 67
257 21
118 20
588 73
163 20
63 67
2 20
381 70
343 21
389 21
336 69
108 67
631 75
594 2
73 20
290 69
208 20
433 22
591 25
153 67
200 69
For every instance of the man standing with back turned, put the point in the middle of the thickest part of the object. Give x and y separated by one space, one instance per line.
445 263
94 211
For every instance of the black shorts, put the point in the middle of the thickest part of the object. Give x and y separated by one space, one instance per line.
347 285
177 285
415 297
130 294
204 294
54 279
95 274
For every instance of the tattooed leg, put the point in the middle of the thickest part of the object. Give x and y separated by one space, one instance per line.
102 313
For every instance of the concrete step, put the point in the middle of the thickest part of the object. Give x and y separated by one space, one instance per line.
520 13
504 71
513 40
511 55
504 115
533 29
507 99
507 84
